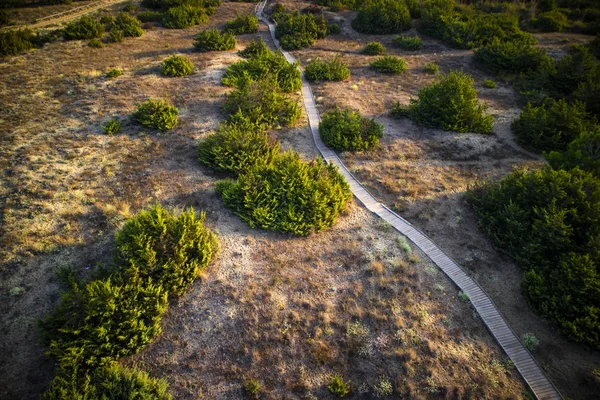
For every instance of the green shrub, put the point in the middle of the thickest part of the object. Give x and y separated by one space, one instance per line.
338 387
583 152
238 146
296 31
116 36
262 62
213 40
594 46
131 26
263 103
129 7
382 17
112 382
107 20
184 16
156 114
4 19
389 65
547 220
551 21
288 195
252 387
334 29
14 42
95 44
114 73
329 70
374 49
160 248
242 24
348 130
85 28
431 68
489 84
111 127
150 16
256 49
383 387
552 126
411 43
177 66
510 57
530 341
451 104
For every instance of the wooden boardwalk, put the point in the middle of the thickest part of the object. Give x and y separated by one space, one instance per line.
524 362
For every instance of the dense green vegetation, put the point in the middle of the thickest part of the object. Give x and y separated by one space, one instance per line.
348 130
411 43
118 312
582 152
177 65
333 69
214 40
85 28
288 195
184 16
158 114
382 17
242 24
374 49
389 65
262 62
130 26
548 221
296 31
14 42
511 57
451 104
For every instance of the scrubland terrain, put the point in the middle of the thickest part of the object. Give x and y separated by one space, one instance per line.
289 312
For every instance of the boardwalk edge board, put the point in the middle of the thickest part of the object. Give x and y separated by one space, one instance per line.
524 362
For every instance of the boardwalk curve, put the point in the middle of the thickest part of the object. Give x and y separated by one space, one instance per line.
531 372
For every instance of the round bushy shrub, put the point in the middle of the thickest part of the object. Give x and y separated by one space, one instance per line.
296 31
14 42
510 56
288 195
177 66
130 26
263 103
451 104
389 65
95 44
166 249
213 39
157 114
256 49
383 17
116 35
411 43
551 21
85 28
238 146
329 70
348 130
242 24
111 382
552 126
112 126
129 7
583 152
431 68
374 49
184 16
150 16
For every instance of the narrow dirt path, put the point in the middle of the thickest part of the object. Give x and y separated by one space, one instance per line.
508 340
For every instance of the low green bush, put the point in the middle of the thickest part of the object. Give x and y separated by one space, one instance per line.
451 104
214 40
389 65
95 44
177 66
288 195
242 24
238 146
111 127
551 126
157 114
583 152
252 387
296 31
114 73
374 49
131 26
548 222
107 20
184 16
329 70
431 68
334 29
129 7
4 19
489 84
85 28
411 43
510 57
338 386
263 103
348 130
382 17
150 16
112 382
260 63
116 35
14 42
551 21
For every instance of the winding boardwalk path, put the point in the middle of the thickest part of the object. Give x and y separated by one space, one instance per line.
524 362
